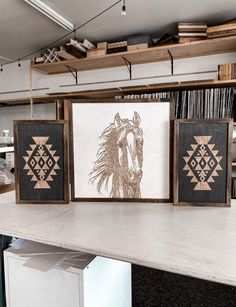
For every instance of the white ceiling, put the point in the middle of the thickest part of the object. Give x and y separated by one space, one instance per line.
23 29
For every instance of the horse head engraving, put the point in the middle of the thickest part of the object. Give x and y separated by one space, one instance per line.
120 158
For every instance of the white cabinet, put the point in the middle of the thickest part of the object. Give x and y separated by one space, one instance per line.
99 282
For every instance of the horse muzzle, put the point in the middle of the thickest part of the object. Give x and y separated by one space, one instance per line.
134 176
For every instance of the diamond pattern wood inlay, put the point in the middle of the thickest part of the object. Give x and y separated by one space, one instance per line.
41 162
202 163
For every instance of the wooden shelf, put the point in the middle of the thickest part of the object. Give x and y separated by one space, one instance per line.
148 88
154 54
24 101
116 91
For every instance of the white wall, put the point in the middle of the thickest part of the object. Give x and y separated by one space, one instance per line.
8 114
14 82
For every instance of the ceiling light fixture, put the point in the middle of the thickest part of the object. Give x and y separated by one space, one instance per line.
50 13
19 64
123 10
1 68
26 56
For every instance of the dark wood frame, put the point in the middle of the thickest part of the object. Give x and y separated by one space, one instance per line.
177 123
66 155
68 112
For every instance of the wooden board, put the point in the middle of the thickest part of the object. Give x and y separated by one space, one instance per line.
65 55
220 28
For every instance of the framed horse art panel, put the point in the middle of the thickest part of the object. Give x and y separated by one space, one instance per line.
120 150
203 162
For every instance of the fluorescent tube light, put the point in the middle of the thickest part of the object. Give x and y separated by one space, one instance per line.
50 13
4 58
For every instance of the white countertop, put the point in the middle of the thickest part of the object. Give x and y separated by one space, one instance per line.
198 242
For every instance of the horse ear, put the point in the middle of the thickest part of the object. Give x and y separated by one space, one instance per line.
136 119
117 120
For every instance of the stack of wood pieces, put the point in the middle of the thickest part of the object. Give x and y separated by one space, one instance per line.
75 49
223 30
117 47
104 48
99 51
190 32
70 52
227 71
139 42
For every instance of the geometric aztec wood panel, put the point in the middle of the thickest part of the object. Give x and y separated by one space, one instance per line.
202 162
41 162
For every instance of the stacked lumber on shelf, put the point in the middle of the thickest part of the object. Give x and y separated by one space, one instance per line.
99 51
82 48
70 52
104 48
189 32
227 71
93 53
139 42
117 47
223 30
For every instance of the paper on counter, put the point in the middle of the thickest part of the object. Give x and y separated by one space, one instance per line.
44 257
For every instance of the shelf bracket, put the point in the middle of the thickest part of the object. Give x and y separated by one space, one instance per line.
129 66
74 73
172 62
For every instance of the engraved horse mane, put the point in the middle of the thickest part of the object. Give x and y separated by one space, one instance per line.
120 158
